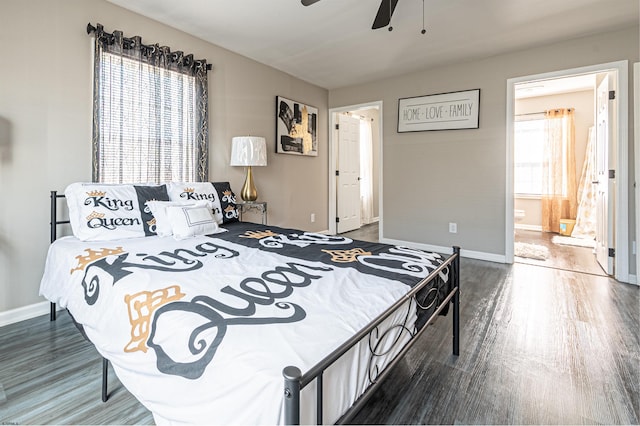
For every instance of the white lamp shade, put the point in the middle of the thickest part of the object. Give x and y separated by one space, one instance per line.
248 151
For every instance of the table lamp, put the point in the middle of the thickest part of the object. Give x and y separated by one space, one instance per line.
248 151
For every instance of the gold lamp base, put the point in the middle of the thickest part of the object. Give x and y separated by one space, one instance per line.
249 192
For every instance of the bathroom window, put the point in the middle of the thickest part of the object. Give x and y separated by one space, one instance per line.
528 151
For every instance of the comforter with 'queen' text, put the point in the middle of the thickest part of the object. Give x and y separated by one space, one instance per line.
199 330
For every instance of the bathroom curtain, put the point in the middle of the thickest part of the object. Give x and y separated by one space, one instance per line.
366 174
585 226
559 190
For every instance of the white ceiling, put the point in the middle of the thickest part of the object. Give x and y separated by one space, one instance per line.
331 43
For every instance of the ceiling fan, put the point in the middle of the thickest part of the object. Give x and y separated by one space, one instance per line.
383 17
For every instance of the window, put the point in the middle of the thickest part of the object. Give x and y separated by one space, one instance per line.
528 156
150 113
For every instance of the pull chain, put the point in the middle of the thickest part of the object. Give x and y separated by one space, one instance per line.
423 30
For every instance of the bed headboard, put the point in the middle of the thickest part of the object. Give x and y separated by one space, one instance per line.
54 222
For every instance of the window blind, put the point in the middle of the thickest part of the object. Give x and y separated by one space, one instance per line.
147 121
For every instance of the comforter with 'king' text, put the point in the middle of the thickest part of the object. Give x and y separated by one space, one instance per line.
200 329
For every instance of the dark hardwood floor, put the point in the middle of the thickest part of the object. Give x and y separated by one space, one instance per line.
570 258
538 346
365 233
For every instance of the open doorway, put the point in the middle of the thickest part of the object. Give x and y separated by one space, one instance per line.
567 198
554 169
355 169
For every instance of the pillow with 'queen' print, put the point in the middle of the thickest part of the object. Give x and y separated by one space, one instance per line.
102 212
227 202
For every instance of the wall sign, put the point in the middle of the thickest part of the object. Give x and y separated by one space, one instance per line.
444 111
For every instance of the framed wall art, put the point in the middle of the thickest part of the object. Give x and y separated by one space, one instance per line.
443 111
296 128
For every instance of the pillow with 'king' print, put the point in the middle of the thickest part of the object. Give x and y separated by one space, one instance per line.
197 191
102 212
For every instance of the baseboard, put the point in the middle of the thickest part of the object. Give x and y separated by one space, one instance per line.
633 279
470 254
528 227
24 313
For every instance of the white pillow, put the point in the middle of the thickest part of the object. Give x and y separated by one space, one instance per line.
197 191
159 212
189 221
104 212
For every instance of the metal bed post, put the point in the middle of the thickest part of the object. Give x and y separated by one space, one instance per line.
53 223
105 372
54 235
456 302
292 376
52 314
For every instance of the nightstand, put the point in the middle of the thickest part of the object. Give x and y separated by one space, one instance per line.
257 206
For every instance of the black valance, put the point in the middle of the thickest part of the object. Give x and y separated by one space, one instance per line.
154 53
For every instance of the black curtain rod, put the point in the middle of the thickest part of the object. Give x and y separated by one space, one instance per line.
92 29
543 112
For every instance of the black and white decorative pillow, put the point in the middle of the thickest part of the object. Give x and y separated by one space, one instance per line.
149 193
227 201
100 212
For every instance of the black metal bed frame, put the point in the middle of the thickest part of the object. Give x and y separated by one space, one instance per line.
53 224
294 380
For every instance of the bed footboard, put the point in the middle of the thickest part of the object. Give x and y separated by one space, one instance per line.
295 381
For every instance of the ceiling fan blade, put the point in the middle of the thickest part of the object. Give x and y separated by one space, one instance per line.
308 2
383 17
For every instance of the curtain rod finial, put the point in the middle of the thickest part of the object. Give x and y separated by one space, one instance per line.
90 28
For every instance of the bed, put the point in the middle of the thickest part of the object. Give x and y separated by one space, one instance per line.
249 324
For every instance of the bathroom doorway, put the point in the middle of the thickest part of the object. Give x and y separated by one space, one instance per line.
555 123
554 151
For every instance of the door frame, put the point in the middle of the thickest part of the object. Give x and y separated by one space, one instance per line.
621 261
333 160
636 133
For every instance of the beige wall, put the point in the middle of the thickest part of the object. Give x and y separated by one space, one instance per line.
45 125
584 104
433 178
430 178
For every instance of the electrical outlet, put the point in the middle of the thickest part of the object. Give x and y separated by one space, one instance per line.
453 227
313 217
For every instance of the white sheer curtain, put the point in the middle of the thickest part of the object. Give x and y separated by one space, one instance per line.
586 218
366 175
559 189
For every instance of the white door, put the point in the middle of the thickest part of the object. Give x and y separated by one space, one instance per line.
348 174
605 184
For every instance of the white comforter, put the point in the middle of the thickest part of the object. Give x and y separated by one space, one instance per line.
200 330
